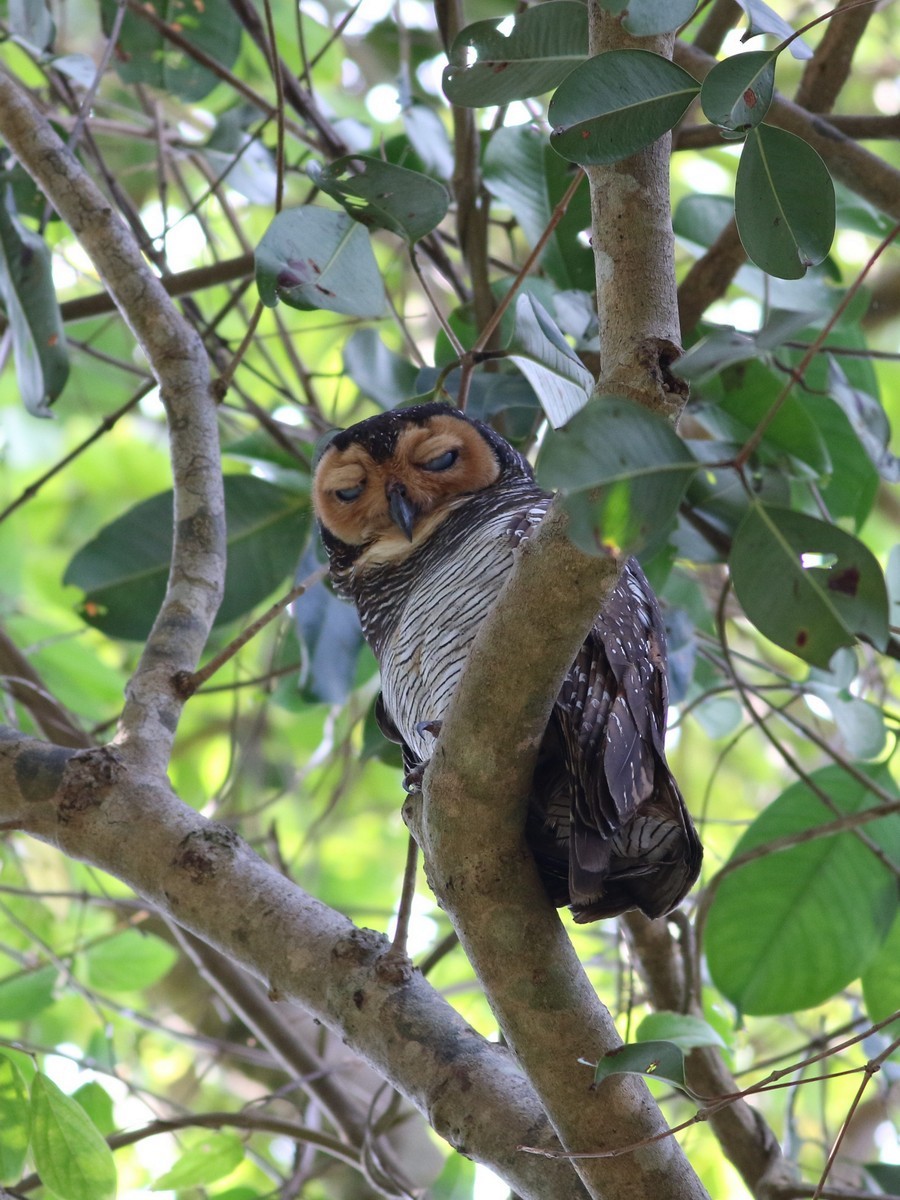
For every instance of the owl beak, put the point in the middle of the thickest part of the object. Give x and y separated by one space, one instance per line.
403 511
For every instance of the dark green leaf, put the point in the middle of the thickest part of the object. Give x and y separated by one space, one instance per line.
377 371
616 104
329 631
560 379
29 298
26 993
15 1120
783 202
881 981
124 569
886 1175
646 18
815 608
624 470
543 45
868 419
144 55
214 1157
314 258
655 1060
701 218
128 961
738 91
522 171
764 19
381 195
790 929
681 1029
71 1157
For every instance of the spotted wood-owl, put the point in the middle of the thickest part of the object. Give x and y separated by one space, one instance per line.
421 510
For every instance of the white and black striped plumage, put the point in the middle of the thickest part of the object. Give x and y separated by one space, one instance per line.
421 510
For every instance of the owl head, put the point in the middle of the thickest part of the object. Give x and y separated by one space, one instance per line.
383 486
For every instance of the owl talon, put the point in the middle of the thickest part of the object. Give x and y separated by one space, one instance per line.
432 727
412 780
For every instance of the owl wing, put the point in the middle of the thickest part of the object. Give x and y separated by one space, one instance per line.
631 842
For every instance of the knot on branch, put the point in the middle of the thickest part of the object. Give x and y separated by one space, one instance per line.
203 851
87 777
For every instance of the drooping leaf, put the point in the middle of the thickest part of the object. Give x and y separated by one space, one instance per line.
73 1160
329 632
241 159
682 1029
815 609
881 981
382 195
646 18
214 1157
790 929
144 55
30 22
654 1060
623 470
868 419
783 202
26 993
560 379
764 19
128 961
313 258
123 570
616 104
522 171
428 137
377 371
738 91
29 298
15 1120
542 46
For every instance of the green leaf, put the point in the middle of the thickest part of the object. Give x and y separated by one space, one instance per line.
562 382
314 258
783 203
15 1120
738 91
428 137
214 1157
881 981
521 170
377 371
868 420
624 470
144 55
98 1105
790 929
764 19
29 298
886 1175
616 104
331 637
681 1029
71 1157
815 608
124 569
646 18
26 993
544 43
381 195
128 961
655 1060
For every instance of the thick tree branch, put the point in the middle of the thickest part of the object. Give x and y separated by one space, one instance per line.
179 364
98 808
471 829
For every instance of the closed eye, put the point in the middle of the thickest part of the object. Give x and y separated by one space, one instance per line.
352 493
442 462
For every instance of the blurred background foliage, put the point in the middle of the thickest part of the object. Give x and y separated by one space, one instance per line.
197 148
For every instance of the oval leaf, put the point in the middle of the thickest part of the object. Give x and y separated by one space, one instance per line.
763 19
681 1029
738 91
26 993
128 961
783 203
71 1157
646 18
214 1157
655 1060
881 982
562 382
789 930
543 45
384 196
624 471
314 258
124 569
15 1120
616 104
815 608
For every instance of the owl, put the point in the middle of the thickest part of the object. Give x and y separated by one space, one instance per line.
421 511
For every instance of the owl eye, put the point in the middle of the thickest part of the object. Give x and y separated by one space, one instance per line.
442 462
351 493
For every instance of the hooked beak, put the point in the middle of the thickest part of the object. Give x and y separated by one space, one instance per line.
403 511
